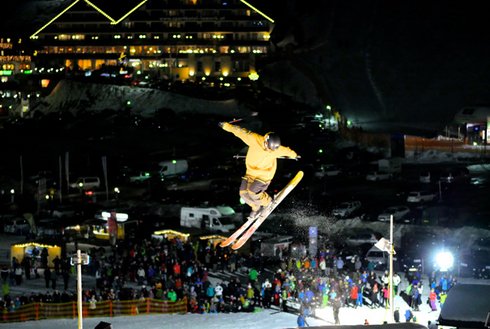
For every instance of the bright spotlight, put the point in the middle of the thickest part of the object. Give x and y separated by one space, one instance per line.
444 260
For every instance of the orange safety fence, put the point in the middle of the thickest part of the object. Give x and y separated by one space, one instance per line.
106 308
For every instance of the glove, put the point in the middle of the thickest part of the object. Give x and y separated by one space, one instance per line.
221 124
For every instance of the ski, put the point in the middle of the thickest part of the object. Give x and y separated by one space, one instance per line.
267 211
251 230
234 236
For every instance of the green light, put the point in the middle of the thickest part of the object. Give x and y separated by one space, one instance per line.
128 103
27 72
174 161
349 123
5 72
320 151
242 202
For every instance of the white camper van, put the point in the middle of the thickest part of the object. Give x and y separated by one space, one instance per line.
218 219
172 168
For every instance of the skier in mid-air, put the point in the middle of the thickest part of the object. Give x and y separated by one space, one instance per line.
261 165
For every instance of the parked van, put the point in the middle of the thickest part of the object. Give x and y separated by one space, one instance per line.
218 219
172 168
420 196
378 257
86 183
381 259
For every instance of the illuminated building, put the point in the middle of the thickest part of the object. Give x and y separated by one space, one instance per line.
13 59
15 68
177 39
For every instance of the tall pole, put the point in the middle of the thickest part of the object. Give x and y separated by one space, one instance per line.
60 166
104 168
392 301
79 289
21 174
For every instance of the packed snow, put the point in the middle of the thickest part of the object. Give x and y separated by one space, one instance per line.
266 319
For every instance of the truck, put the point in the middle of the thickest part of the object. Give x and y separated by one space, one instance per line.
171 168
216 219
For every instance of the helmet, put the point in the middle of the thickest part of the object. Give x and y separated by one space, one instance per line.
272 141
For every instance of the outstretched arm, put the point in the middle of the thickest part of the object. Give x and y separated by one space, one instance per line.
284 151
245 135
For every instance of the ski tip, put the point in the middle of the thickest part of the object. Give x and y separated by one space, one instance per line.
298 177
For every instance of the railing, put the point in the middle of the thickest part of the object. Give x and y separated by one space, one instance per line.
107 308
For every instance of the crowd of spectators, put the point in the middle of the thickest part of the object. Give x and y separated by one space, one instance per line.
171 270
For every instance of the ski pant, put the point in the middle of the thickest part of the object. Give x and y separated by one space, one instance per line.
252 191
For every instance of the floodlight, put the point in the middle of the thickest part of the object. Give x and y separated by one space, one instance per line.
444 260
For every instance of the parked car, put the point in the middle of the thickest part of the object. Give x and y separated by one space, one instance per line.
64 211
139 177
361 238
346 208
328 170
377 176
414 216
420 196
49 227
412 264
397 211
17 225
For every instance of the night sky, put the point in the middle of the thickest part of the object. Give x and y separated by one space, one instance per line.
409 64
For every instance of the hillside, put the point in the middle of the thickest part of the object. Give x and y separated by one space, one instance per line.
74 96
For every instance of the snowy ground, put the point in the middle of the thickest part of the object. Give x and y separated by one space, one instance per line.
267 319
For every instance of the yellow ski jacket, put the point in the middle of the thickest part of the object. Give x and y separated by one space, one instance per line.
261 162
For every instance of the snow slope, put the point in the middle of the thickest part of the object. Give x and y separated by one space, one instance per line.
75 96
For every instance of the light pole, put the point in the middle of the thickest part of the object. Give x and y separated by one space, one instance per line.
79 289
387 246
78 260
